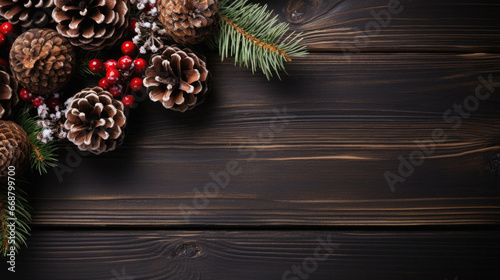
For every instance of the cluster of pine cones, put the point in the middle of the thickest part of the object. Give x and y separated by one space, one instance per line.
97 24
43 60
89 24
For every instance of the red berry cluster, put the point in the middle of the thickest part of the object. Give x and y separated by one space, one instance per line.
27 96
6 29
119 74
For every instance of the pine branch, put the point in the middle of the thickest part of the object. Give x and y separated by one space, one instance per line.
255 38
21 213
42 155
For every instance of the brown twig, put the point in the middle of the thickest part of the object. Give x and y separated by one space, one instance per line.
39 156
256 41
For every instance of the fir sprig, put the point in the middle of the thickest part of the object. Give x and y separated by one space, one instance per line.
255 37
21 214
42 155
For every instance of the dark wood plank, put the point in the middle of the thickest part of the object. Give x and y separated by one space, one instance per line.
325 167
424 25
162 255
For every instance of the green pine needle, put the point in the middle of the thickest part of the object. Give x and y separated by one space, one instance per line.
255 38
21 213
42 155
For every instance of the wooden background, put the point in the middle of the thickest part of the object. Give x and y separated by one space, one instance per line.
120 215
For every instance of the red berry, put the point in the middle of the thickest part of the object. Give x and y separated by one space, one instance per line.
95 65
128 48
149 7
133 24
103 82
38 101
113 76
128 100
125 63
4 62
6 28
26 95
136 84
2 39
54 102
116 91
139 65
110 64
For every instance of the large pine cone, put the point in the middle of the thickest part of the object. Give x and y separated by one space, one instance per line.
42 61
14 149
92 24
30 13
177 78
8 93
95 121
188 21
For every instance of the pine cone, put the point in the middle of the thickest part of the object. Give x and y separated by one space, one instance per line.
42 61
188 21
14 149
29 13
8 94
95 121
178 78
92 24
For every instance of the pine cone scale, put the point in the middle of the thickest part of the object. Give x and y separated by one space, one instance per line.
11 13
192 76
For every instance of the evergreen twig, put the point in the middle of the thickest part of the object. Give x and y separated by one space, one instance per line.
255 37
42 155
21 213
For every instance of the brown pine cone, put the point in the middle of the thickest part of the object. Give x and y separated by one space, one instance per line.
95 121
177 78
14 149
42 61
29 13
92 24
8 93
188 21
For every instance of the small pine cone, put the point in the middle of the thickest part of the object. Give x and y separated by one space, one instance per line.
14 149
8 94
42 61
177 78
188 21
95 121
29 13
92 24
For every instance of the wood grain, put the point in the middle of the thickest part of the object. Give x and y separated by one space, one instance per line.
424 25
162 255
325 167
357 104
